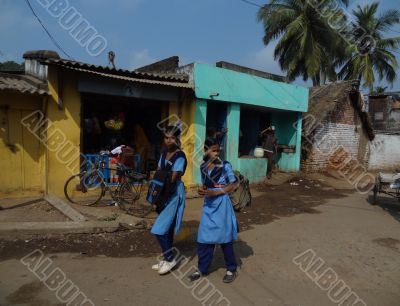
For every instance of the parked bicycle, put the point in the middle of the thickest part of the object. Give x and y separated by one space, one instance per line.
89 186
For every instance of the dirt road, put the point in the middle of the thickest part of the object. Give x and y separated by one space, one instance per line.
342 240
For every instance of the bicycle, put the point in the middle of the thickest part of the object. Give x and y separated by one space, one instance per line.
88 187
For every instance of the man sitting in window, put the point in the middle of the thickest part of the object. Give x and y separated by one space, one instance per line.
269 144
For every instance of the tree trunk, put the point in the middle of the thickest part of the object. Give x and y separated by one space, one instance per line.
323 77
316 80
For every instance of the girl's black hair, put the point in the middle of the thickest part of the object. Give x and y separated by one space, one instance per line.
209 142
174 130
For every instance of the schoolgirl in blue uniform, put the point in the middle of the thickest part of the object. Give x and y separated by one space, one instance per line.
218 223
170 219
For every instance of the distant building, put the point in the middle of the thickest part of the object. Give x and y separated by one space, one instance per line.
384 110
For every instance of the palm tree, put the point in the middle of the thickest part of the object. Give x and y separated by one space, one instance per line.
371 53
307 44
379 90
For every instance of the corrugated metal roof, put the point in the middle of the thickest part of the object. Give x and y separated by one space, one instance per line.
130 79
174 77
23 84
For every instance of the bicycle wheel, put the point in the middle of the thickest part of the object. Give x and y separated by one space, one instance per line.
130 201
85 188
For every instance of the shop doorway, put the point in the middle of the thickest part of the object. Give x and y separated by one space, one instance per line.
109 121
216 123
252 121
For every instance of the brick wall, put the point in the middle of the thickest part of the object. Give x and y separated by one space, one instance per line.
337 138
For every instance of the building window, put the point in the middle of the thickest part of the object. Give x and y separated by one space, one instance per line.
252 122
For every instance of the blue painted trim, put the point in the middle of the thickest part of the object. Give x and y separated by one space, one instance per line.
200 118
232 86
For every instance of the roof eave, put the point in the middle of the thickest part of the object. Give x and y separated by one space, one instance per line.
120 72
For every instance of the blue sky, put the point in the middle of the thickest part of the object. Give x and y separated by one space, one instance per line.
143 31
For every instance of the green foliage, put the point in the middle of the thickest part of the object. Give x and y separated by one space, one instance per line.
11 66
373 53
307 43
316 41
379 90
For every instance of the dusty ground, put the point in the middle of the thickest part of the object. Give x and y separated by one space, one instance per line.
360 242
28 210
298 195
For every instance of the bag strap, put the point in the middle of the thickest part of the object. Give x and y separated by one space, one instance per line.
214 176
163 157
168 166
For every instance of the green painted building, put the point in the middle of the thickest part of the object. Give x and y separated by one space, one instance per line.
245 104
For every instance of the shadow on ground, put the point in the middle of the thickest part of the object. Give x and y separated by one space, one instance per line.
388 203
297 196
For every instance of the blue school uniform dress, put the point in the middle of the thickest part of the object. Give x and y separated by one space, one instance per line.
170 219
218 221
218 224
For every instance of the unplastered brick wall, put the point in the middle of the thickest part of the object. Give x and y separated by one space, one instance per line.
341 130
328 139
385 152
344 113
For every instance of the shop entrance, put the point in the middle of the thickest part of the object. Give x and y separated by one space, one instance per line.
252 121
109 121
216 123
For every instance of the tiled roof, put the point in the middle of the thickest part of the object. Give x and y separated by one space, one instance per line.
23 84
168 77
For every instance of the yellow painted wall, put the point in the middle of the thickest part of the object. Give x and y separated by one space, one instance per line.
42 161
63 133
186 112
22 157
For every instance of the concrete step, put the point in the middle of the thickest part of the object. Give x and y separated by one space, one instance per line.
9 229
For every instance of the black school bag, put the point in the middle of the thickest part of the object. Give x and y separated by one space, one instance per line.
161 188
241 196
